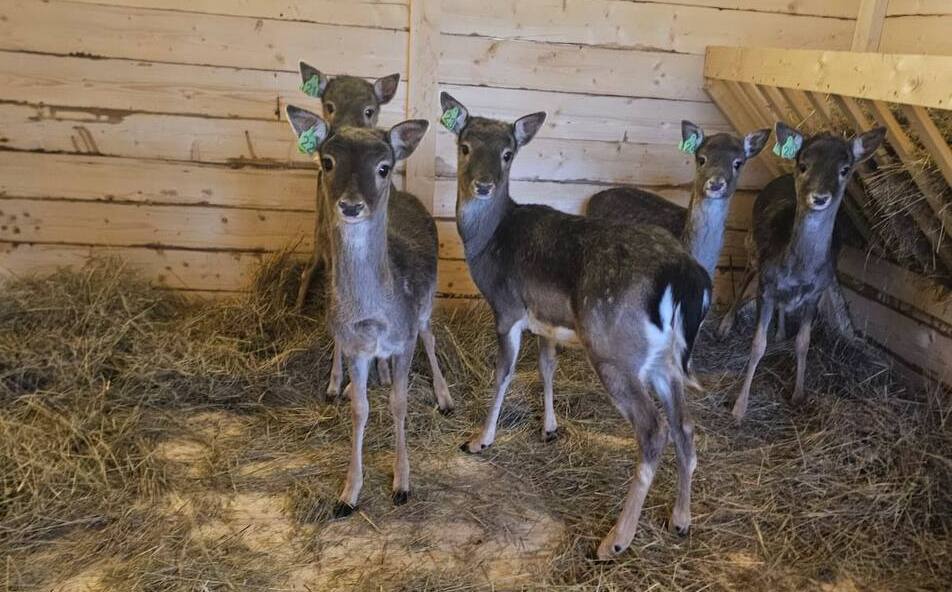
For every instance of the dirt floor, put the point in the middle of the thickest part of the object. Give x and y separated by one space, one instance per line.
150 444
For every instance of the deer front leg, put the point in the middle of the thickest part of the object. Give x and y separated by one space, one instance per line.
398 408
508 348
337 373
727 321
547 361
765 309
443 399
307 276
383 371
803 345
360 409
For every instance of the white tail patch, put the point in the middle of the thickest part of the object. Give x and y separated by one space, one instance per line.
666 346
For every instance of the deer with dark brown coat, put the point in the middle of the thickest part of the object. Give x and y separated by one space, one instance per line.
629 295
793 257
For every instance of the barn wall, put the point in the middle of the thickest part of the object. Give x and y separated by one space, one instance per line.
918 26
151 128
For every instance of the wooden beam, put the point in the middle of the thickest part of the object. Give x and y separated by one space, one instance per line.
735 112
924 80
422 94
869 25
800 106
931 138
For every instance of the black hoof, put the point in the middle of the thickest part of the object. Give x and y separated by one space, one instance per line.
465 448
445 412
400 497
551 436
682 531
343 509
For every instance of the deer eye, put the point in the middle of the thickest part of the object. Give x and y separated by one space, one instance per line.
737 164
369 112
464 149
507 155
802 168
844 171
701 160
383 170
328 164
329 107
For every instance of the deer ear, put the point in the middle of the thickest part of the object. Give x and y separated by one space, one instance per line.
525 128
865 144
385 88
754 142
455 115
313 83
789 141
691 137
405 137
310 129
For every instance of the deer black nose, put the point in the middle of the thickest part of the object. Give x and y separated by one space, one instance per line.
716 184
819 199
484 187
350 210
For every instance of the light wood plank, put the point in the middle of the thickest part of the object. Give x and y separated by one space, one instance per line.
166 268
918 34
384 14
606 162
844 9
913 79
918 8
62 27
99 178
112 84
930 137
422 103
636 25
590 70
102 223
869 25
588 117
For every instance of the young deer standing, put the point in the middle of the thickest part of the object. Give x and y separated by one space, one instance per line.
346 101
631 296
792 235
719 160
383 250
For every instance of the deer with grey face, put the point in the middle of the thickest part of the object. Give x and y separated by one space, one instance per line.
383 250
719 160
793 257
347 101
629 295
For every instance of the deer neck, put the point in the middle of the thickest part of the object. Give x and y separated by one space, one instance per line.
703 234
361 265
478 219
811 239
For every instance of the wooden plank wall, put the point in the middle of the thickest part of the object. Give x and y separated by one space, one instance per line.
918 26
151 128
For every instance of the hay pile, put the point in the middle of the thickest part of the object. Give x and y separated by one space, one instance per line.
149 443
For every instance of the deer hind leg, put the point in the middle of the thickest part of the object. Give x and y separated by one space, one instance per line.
803 346
443 399
765 310
360 409
670 391
337 373
398 408
727 321
631 399
307 276
383 371
509 342
547 361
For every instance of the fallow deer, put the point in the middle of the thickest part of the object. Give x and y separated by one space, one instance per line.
630 295
383 250
792 255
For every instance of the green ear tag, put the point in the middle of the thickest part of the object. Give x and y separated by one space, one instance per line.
790 147
449 118
307 141
312 87
689 145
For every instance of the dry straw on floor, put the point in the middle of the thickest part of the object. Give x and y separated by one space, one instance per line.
148 443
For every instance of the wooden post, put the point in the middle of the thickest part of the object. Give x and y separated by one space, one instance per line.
869 25
422 87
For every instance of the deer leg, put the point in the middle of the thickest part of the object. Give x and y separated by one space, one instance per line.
781 325
803 345
633 403
764 313
671 392
547 362
307 276
398 408
359 409
443 399
509 341
727 321
383 371
337 373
